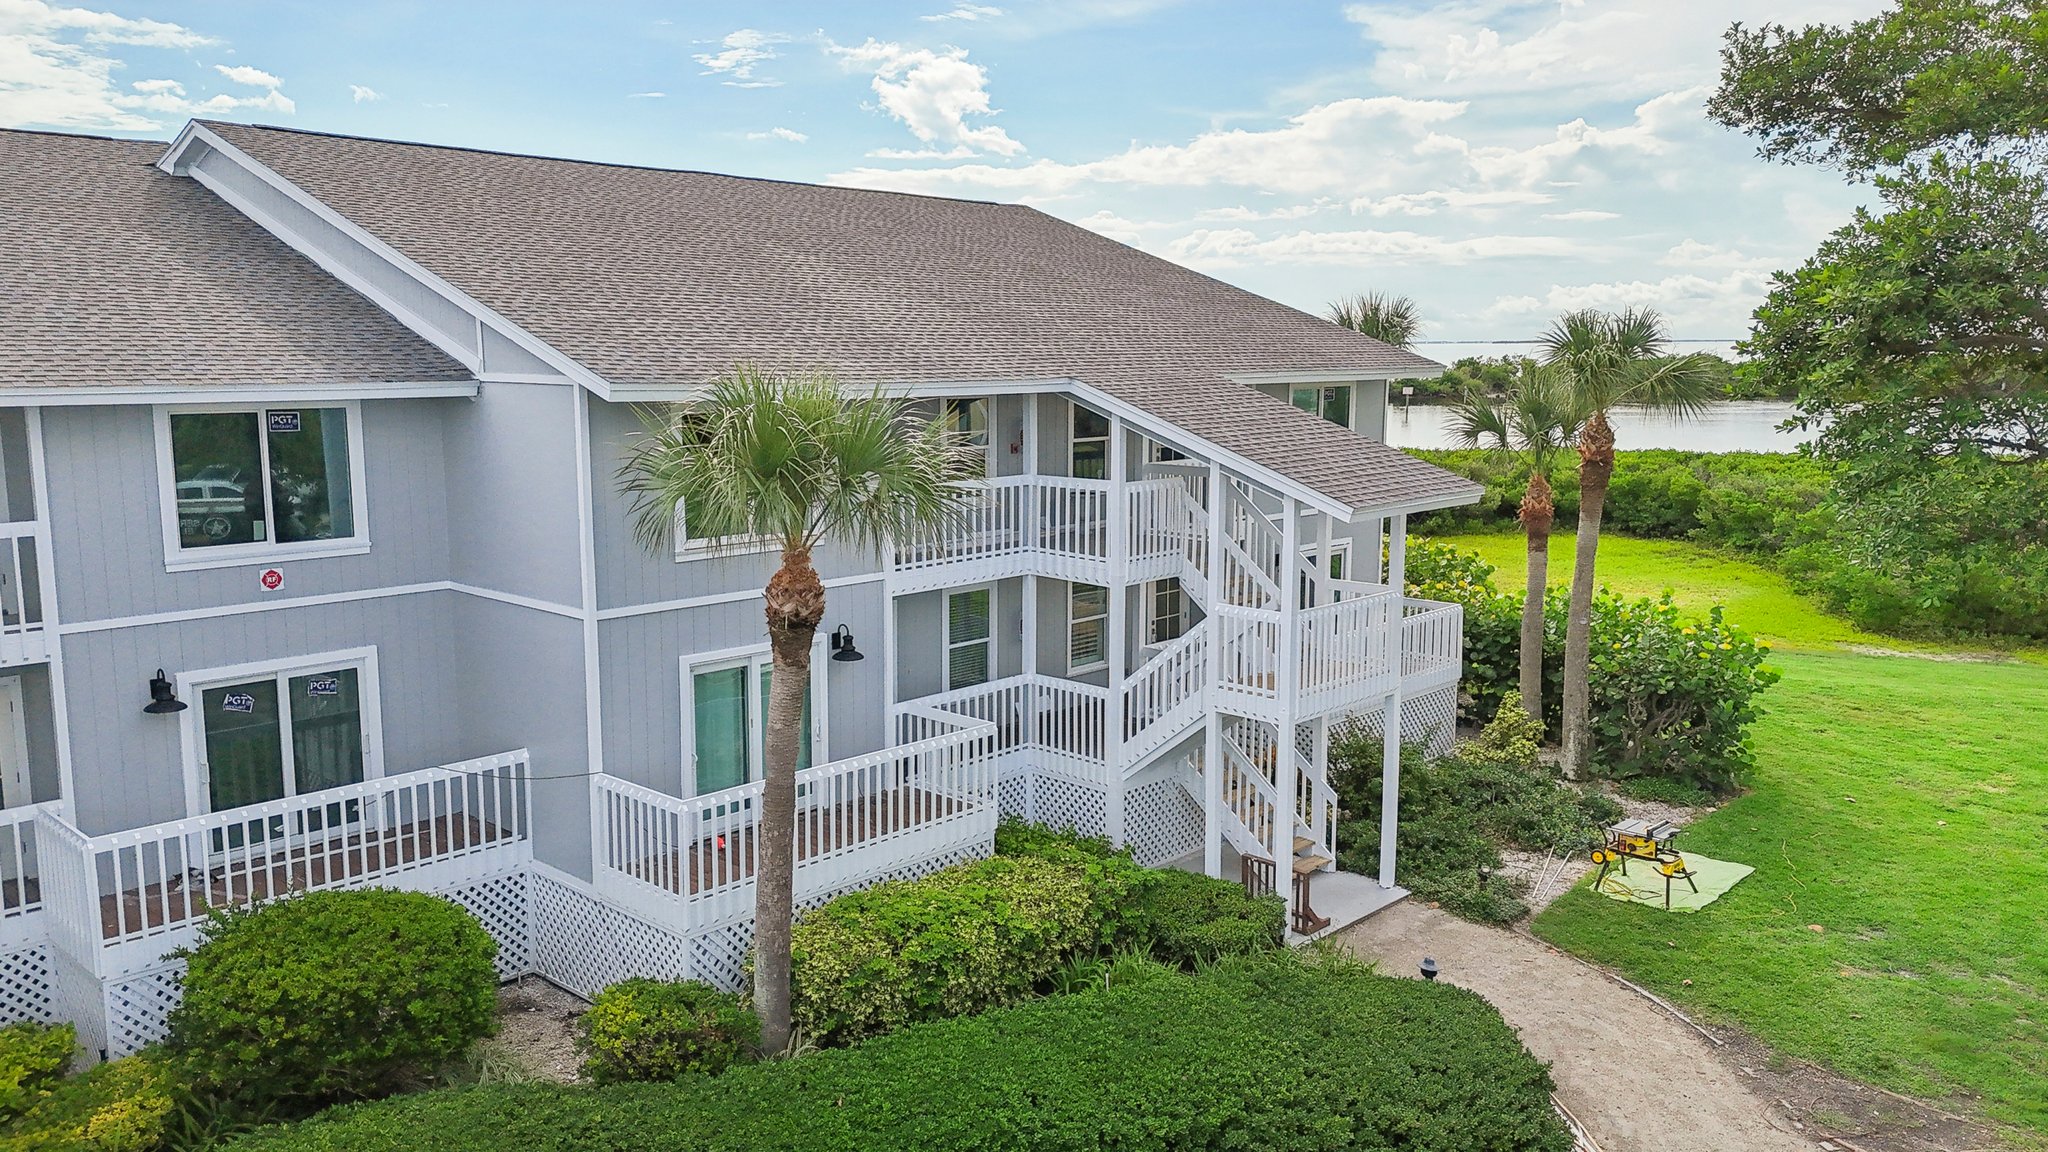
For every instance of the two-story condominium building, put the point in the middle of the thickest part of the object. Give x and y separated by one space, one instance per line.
316 573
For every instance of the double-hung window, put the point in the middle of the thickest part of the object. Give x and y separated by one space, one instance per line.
970 637
1166 611
727 709
268 731
1087 625
967 422
255 482
1332 403
1090 445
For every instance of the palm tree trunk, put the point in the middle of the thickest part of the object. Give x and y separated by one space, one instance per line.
795 604
1596 468
1537 515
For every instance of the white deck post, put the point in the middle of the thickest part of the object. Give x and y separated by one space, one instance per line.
1113 639
1284 682
1390 720
1212 735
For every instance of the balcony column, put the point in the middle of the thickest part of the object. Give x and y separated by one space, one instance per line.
1212 734
1114 638
1286 675
1390 720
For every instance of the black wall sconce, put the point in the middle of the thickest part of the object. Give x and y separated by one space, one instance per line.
841 643
163 699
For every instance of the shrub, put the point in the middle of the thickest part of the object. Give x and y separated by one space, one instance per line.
663 1029
1189 918
331 995
959 941
1272 1052
1111 874
32 1057
122 1106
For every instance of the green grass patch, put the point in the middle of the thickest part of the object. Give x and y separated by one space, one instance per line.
1898 804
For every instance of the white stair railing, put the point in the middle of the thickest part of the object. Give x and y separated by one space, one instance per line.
1165 695
1250 800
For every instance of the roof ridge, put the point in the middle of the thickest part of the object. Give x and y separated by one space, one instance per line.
507 153
84 136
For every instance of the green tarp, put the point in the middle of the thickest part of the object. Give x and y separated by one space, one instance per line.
1645 885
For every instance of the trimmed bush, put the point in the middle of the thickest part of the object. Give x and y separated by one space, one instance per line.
664 1029
122 1106
1272 1052
1190 919
32 1057
968 938
331 995
1113 876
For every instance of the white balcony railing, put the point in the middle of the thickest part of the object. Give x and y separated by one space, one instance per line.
22 639
124 898
1344 653
689 863
21 889
1432 643
1013 517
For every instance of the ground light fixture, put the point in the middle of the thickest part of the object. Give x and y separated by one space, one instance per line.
1429 968
163 699
842 647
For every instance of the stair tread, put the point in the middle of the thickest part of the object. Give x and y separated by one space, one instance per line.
1303 844
1309 863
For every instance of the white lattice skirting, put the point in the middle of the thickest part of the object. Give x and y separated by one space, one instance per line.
1430 719
1162 821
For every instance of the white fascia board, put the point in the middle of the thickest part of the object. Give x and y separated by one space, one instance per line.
195 133
1333 376
230 394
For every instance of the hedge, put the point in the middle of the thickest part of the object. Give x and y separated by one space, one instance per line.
125 1105
643 1029
1273 1052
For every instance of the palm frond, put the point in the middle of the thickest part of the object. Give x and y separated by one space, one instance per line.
1388 318
1620 359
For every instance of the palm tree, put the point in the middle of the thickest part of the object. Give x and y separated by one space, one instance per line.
1536 420
794 459
1609 360
1389 319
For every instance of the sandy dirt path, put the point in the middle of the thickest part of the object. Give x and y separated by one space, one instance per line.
1680 1096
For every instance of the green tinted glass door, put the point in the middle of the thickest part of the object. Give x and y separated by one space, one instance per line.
244 744
327 730
720 720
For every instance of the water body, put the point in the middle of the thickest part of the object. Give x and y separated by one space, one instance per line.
1732 426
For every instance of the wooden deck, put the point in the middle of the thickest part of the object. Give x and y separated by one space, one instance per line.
715 861
241 878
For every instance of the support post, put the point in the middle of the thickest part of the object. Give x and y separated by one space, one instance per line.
1212 735
1286 676
1390 721
1114 630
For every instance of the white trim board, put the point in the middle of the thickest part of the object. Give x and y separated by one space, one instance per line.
321 600
259 553
86 394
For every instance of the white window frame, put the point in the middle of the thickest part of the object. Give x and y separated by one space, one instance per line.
988 429
946 634
1153 589
192 685
1075 439
1098 665
178 558
689 548
753 657
1323 405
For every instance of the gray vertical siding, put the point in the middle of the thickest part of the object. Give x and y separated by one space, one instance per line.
127 767
511 517
106 525
640 670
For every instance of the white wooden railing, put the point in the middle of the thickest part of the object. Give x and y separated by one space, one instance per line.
1248 792
1057 516
1432 638
1165 694
1042 723
690 862
1343 645
22 639
1247 651
21 891
148 886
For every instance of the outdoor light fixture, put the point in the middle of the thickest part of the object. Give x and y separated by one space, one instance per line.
842 646
1429 968
163 699
1485 874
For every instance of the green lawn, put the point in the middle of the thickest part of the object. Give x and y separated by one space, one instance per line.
1900 803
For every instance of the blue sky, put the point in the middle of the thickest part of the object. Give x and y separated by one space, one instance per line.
1498 161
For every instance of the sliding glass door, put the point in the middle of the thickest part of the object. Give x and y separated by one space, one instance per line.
729 722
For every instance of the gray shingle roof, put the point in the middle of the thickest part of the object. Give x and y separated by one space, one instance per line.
655 278
119 275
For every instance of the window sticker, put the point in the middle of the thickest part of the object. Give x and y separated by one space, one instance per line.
238 702
284 422
324 686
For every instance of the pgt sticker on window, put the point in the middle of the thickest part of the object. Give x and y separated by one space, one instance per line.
284 421
324 686
238 702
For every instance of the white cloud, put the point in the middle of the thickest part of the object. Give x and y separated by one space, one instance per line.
646 95
1454 199
1115 227
968 12
739 54
790 134
1242 213
1691 303
932 93
362 94
1582 215
253 77
57 69
1368 248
